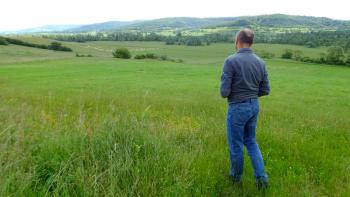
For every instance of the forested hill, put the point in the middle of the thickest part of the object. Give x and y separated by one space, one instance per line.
265 23
278 22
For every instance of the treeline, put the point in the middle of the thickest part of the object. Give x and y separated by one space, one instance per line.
311 39
115 36
56 46
138 36
335 55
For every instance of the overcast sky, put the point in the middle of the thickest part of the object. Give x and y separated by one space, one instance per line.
19 14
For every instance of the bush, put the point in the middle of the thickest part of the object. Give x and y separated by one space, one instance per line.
153 56
170 41
310 44
140 56
83 55
123 53
288 54
335 55
297 55
306 59
163 57
3 41
177 60
150 56
348 61
56 46
265 54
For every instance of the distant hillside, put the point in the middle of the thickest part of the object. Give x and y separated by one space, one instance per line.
106 26
47 28
177 23
288 21
274 22
308 23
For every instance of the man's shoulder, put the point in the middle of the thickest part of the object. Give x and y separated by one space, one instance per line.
259 59
238 57
231 58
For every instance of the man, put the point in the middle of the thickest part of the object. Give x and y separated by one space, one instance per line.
244 79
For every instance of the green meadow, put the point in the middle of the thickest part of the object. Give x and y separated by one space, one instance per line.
101 126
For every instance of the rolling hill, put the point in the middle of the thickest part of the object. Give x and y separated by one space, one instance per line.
262 22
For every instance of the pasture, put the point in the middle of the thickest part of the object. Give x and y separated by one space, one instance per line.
96 126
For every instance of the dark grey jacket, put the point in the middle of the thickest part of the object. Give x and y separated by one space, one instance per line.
244 76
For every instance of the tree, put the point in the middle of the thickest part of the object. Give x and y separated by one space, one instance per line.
123 53
335 55
347 45
288 54
3 41
170 41
347 62
139 56
56 46
297 55
310 44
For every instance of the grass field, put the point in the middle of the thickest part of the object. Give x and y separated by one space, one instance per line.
108 127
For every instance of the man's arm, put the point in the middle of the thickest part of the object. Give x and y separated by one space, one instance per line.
226 79
264 86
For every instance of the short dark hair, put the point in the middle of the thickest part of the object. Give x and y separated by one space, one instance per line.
245 36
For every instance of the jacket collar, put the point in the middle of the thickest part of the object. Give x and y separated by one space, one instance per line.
244 50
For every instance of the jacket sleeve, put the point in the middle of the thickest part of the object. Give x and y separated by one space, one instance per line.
264 86
226 79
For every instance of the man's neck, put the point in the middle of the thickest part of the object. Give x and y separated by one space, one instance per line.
243 46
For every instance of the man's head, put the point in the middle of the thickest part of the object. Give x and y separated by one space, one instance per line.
244 38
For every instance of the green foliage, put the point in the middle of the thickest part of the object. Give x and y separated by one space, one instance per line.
82 55
297 55
308 39
153 56
123 53
335 55
264 54
177 60
310 44
170 41
348 61
347 45
140 56
56 46
3 41
193 41
163 57
288 54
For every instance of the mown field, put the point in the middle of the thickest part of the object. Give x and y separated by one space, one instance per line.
102 126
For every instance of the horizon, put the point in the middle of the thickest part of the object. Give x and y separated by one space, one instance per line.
38 13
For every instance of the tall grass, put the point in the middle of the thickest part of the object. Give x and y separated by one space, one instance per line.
101 127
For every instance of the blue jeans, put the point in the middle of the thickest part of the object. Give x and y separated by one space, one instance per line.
241 126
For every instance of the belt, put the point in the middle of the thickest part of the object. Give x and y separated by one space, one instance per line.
250 100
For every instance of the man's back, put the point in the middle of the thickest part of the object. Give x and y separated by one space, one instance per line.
244 76
243 80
